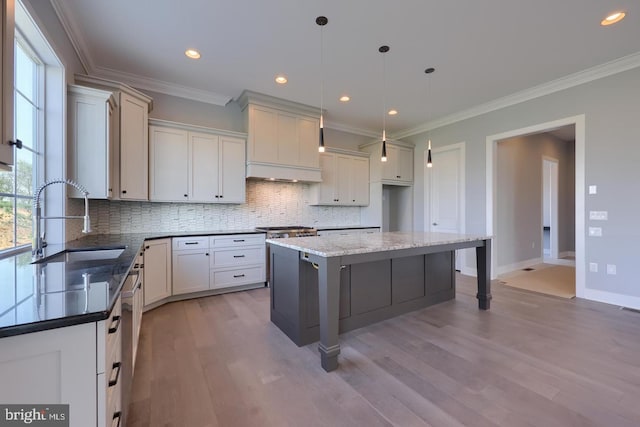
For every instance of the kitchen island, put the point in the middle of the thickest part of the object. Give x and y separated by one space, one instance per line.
324 285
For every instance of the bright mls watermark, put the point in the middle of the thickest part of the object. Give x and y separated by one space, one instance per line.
34 415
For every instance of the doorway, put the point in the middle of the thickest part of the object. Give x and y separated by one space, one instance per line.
579 184
549 208
445 199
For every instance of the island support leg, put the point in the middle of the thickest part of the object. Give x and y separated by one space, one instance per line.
483 262
329 296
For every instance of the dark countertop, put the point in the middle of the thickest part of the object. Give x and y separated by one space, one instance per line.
56 293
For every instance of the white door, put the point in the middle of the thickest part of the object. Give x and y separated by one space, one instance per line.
550 206
445 201
232 167
169 164
204 167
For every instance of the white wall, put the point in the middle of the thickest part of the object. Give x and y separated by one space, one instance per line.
611 107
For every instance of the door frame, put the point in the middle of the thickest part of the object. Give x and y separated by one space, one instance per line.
460 147
554 202
491 185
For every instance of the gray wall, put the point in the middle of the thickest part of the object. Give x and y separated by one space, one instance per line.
611 106
519 196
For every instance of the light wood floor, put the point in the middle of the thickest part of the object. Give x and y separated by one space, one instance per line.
532 360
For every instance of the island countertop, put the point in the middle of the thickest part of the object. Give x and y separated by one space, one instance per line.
339 245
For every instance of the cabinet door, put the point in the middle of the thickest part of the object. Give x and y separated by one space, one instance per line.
343 181
57 366
308 139
360 181
157 270
169 164
288 150
134 144
232 170
190 271
6 83
263 134
204 160
89 116
404 171
327 188
389 168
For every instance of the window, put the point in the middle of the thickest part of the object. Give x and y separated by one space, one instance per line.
17 186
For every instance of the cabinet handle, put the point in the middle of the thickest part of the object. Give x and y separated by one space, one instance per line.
235 276
217 196
221 196
186 195
190 243
207 254
116 321
124 191
398 176
146 247
116 416
118 367
238 240
238 256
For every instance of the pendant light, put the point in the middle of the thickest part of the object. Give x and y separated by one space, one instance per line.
321 21
383 50
428 72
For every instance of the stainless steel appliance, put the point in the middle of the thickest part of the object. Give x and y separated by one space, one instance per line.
283 232
131 312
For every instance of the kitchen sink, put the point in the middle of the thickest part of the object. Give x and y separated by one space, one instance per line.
79 255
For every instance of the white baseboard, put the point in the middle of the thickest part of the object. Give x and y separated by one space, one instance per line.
567 253
469 271
502 269
611 298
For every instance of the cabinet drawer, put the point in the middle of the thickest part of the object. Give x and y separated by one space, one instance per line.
240 256
236 277
198 242
236 240
108 339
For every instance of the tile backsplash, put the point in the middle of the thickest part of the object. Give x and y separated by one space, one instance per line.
267 204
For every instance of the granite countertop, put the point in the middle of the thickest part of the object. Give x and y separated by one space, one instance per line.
55 292
341 227
339 245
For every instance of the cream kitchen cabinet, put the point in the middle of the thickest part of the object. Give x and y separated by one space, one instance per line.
190 264
196 164
7 27
157 270
282 138
131 133
345 179
76 365
91 147
398 169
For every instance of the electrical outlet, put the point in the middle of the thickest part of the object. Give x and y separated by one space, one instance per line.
595 231
598 215
611 269
593 267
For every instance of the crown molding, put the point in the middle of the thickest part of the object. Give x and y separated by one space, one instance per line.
64 13
600 71
196 128
350 129
160 86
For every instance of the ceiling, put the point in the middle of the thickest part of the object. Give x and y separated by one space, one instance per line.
482 50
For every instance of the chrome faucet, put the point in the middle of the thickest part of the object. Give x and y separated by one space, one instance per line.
38 242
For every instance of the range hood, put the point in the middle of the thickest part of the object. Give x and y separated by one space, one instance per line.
273 172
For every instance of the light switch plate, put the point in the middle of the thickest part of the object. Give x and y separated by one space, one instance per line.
598 215
595 231
611 269
593 189
593 267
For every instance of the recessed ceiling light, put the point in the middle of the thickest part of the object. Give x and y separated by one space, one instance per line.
345 98
281 79
393 112
613 18
192 53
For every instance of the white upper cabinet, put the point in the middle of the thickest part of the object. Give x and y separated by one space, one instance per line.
92 155
6 86
282 138
398 169
130 144
195 164
345 179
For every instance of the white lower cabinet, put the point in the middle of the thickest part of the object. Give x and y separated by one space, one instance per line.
76 365
157 270
217 262
190 269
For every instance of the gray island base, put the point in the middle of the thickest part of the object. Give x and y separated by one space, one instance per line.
325 285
